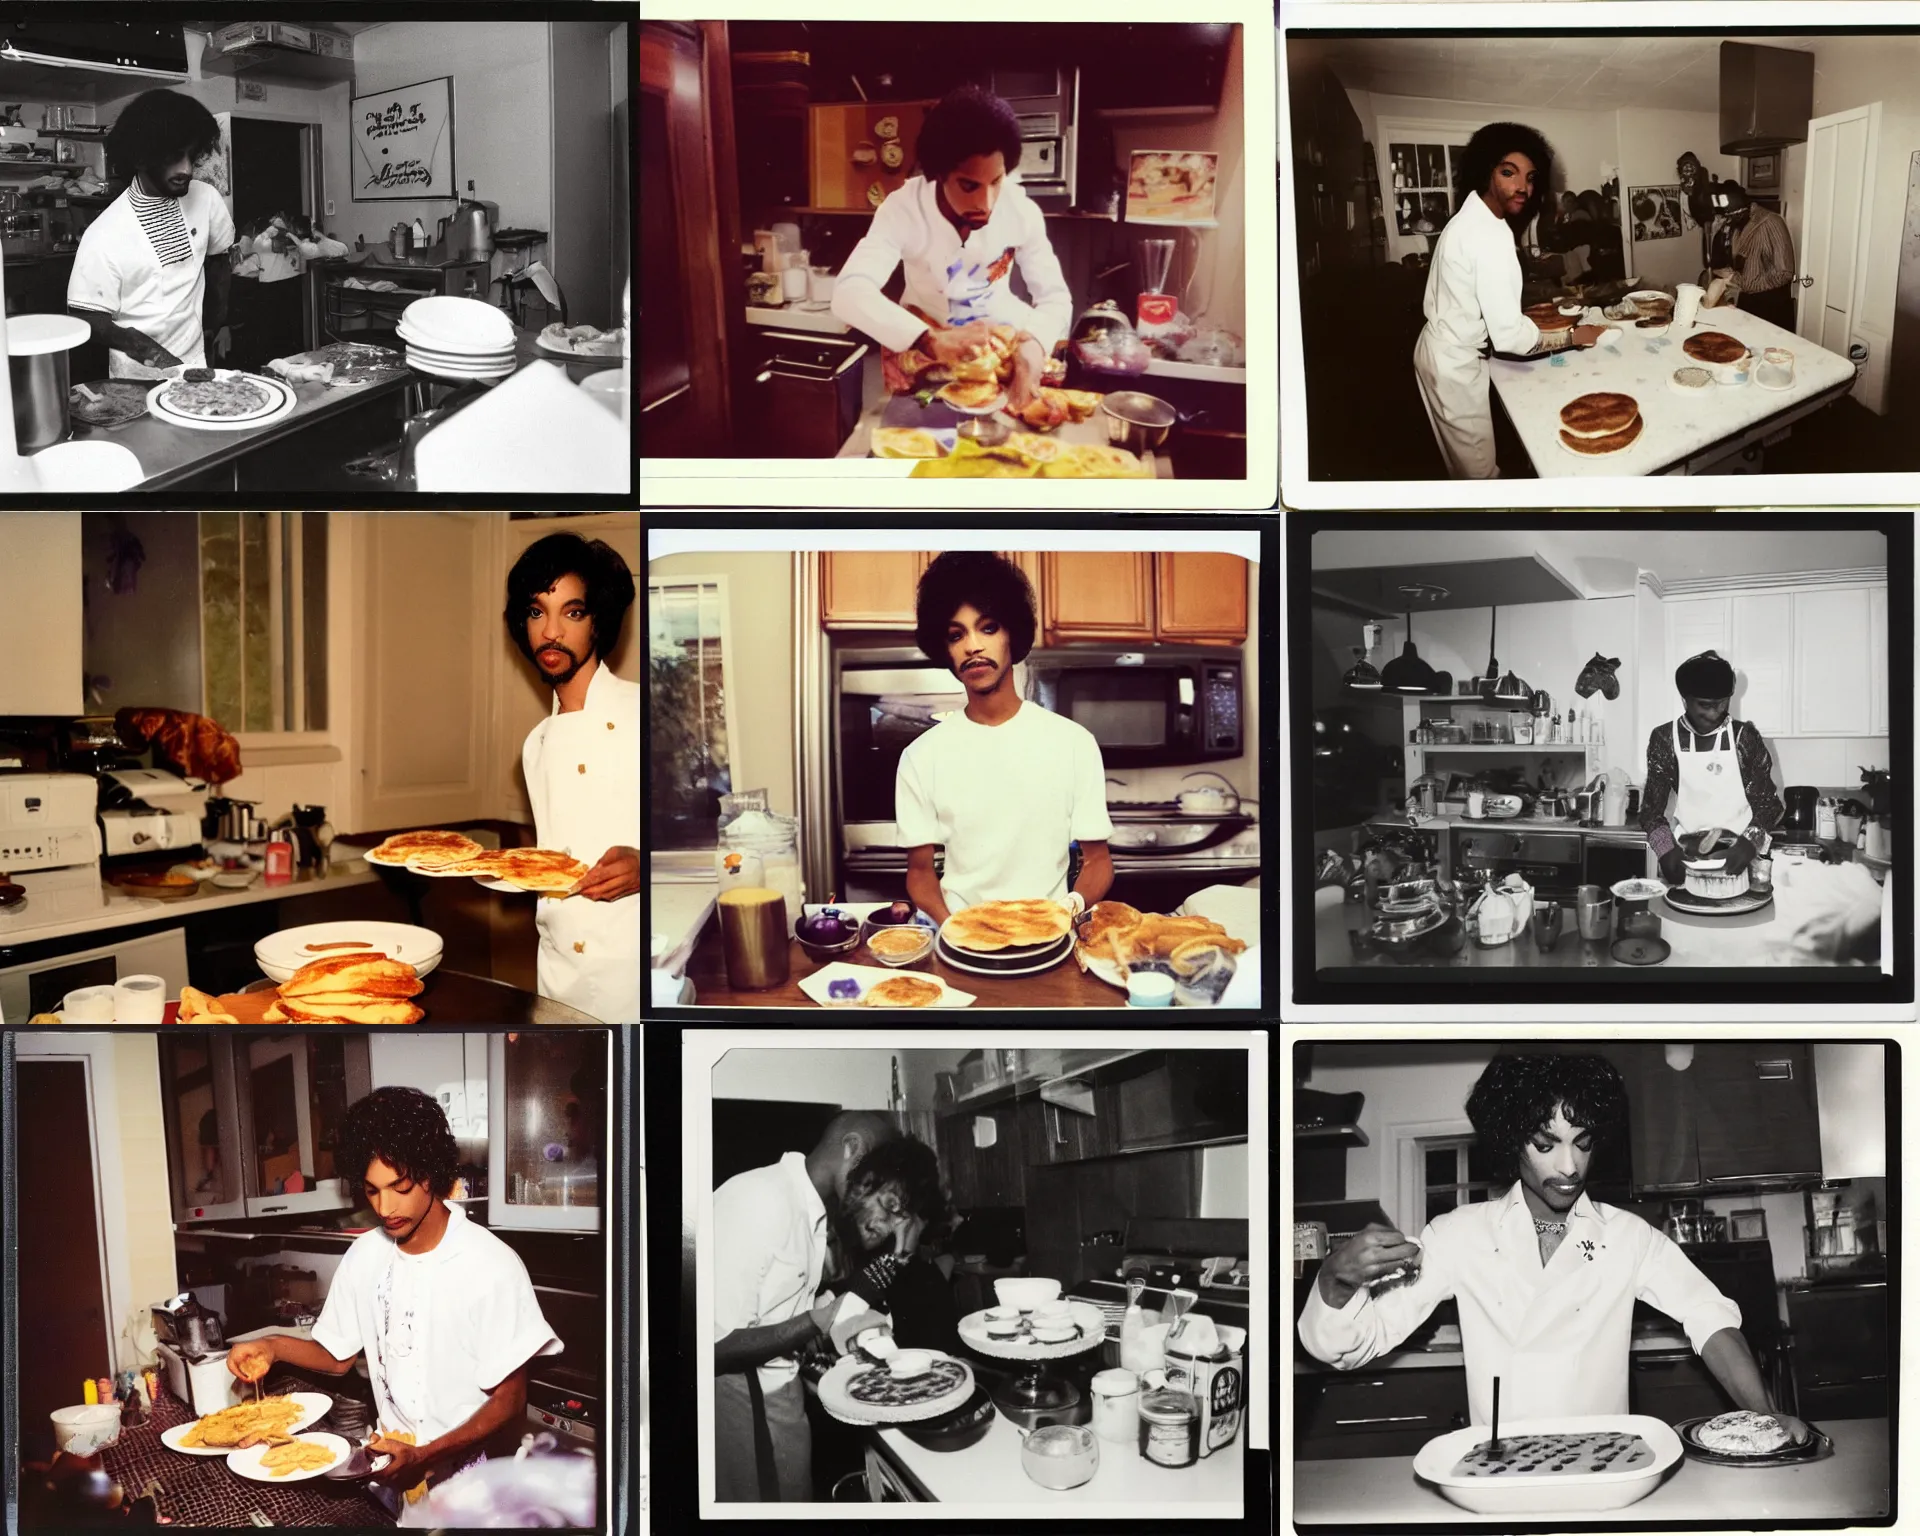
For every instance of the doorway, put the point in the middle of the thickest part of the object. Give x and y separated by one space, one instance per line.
63 1297
273 173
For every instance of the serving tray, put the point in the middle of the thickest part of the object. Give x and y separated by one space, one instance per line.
1817 1448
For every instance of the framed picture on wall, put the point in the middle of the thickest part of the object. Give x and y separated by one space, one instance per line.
1656 212
401 143
1749 1226
1763 172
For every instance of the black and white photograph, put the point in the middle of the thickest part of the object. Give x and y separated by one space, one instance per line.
1021 1281
989 766
943 250
1655 760
341 1278
1598 251
1647 1279
253 259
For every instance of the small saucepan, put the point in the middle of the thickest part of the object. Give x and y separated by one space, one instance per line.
1139 422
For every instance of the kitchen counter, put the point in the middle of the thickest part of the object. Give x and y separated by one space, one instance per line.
790 317
861 438
1368 1491
990 1472
1305 1364
1695 433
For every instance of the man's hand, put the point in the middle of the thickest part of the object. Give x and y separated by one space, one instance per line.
251 1360
822 1315
616 875
957 343
1740 855
1586 335
154 355
1795 1427
1369 1255
219 343
1029 362
409 1465
906 1236
1673 868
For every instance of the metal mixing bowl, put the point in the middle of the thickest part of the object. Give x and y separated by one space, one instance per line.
1136 421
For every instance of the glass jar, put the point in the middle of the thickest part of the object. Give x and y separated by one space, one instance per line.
1116 1405
1060 1456
1169 1429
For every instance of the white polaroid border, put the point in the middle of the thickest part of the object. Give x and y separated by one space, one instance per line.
1630 18
675 482
1291 1350
1386 1005
700 1049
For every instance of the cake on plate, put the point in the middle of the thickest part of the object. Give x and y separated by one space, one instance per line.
1743 1433
1709 878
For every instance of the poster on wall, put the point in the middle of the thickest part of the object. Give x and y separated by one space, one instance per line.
403 142
1656 213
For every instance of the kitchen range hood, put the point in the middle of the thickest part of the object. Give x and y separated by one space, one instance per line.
1766 97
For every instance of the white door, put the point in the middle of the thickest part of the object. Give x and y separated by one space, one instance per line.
1833 224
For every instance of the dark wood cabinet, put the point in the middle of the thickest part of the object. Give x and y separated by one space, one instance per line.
1376 1413
1840 1350
1674 1386
1741 1115
1000 1171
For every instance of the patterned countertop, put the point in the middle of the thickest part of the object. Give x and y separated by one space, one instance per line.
1676 426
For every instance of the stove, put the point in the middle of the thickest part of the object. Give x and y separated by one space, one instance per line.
1205 1255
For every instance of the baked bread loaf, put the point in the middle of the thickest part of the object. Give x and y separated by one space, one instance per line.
1743 1433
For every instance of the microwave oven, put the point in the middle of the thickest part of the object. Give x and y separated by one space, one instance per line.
1170 706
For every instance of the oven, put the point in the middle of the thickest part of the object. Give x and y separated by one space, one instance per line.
565 1392
1550 862
1168 706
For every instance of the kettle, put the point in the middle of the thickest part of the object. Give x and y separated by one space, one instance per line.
466 234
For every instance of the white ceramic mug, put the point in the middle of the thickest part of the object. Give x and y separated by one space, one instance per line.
87 1005
140 1000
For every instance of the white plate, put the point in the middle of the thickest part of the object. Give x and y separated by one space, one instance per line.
247 1463
420 343
1092 1322
87 466
1569 1493
314 1406
235 879
998 403
453 371
815 986
270 386
279 955
834 1398
1043 960
226 423
565 349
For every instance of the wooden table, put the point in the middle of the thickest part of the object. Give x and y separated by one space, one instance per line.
1065 986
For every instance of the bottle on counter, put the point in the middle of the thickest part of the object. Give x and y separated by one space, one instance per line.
1557 738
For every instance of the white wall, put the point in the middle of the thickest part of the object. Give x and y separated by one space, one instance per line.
1223 1181
853 1079
1651 141
1850 72
1433 1086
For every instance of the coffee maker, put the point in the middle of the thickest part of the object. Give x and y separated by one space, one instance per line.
1802 810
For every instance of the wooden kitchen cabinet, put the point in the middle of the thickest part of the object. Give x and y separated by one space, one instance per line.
1001 1169
1200 599
870 588
1097 595
1757 1114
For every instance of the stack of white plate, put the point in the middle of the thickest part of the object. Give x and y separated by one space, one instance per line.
457 338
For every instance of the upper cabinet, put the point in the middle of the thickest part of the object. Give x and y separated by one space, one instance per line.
1832 670
1201 599
870 588
1097 595
1762 651
1877 671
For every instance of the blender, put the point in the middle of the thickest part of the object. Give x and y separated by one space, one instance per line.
1155 307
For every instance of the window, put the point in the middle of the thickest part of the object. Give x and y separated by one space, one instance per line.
1455 1174
1423 190
689 717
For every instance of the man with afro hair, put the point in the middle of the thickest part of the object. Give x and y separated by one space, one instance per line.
1544 1277
140 275
1004 785
441 1308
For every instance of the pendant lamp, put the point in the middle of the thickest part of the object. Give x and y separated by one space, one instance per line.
1407 673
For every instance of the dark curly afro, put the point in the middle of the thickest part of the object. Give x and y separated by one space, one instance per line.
969 121
1474 167
910 1166
1517 1095
994 585
407 1130
155 129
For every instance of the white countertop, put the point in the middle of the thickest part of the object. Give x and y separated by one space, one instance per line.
1305 1364
1361 1491
791 317
21 925
990 1472
1676 426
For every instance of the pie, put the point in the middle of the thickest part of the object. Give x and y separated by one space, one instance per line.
1714 347
265 1422
1600 414
115 401
1551 1455
994 925
904 992
1743 1433
531 869
1612 443
402 846
216 398
882 1389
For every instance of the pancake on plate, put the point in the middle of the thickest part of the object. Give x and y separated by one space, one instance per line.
903 992
1600 414
1743 1434
296 1455
1612 443
402 846
991 925
1714 347
531 869
350 989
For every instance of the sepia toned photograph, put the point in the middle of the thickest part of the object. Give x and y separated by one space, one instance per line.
1640 1279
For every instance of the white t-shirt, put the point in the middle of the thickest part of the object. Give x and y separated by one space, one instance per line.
119 271
438 1329
1005 800
769 1251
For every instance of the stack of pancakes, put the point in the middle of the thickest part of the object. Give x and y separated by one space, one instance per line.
1556 329
350 989
1601 422
993 925
449 853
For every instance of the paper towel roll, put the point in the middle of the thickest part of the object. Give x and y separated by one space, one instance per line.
1686 304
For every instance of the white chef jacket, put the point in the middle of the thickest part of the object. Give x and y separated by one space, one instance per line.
461 1320
950 279
583 777
1559 1337
769 1252
117 270
1473 296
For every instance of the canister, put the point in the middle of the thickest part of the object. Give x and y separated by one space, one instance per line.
1826 822
753 937
1116 1405
1169 1429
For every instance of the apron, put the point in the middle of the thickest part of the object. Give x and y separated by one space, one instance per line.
1455 389
589 950
762 1442
1709 792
